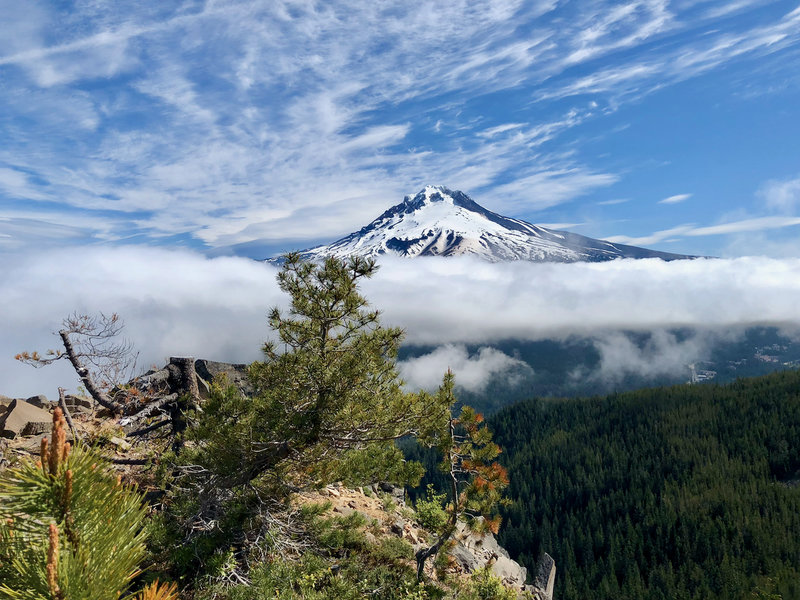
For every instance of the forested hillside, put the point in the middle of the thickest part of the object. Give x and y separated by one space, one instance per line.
677 492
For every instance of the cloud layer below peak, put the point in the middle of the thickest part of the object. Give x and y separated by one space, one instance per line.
183 303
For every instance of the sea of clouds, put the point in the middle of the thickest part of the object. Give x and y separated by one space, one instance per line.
184 303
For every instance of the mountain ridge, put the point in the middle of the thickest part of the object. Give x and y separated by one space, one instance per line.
438 221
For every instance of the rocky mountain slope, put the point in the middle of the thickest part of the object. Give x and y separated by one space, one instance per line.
441 222
129 442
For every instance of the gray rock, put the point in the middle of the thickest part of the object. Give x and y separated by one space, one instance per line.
4 402
465 559
40 401
473 551
398 527
367 519
398 494
78 402
345 511
236 374
546 576
509 571
24 419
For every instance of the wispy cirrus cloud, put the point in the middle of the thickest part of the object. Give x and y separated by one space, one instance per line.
677 198
225 122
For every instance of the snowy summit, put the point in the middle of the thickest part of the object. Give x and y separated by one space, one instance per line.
441 222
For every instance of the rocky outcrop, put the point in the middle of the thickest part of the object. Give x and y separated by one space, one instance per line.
474 551
545 578
236 374
170 379
21 419
40 401
470 552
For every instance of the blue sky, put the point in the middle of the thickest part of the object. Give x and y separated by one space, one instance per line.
256 127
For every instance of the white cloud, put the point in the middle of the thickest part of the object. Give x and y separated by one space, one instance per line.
781 196
663 353
212 119
174 303
560 226
654 238
755 224
744 225
675 199
549 188
181 303
472 372
15 184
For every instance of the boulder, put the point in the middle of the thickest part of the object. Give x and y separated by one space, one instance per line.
24 419
4 402
545 576
398 527
236 374
40 401
78 402
473 551
398 494
465 559
345 511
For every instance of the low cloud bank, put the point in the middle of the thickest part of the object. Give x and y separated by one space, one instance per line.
467 301
663 353
472 372
173 303
182 303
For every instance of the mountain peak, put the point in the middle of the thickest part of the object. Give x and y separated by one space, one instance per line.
430 194
438 221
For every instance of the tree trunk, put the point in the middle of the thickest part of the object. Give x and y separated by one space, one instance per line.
62 402
187 381
96 393
188 397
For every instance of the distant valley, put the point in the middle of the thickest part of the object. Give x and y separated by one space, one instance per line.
582 366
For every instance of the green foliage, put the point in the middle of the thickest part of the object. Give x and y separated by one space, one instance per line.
392 549
68 528
329 401
338 535
681 492
376 462
482 585
339 564
329 406
430 512
475 483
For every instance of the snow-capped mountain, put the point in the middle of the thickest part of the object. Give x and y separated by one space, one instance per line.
441 222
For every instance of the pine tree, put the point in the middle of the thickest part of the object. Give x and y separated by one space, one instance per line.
69 529
328 396
475 482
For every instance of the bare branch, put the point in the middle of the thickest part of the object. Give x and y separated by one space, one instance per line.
85 376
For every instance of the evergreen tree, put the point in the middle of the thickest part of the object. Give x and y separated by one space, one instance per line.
328 399
69 530
474 482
